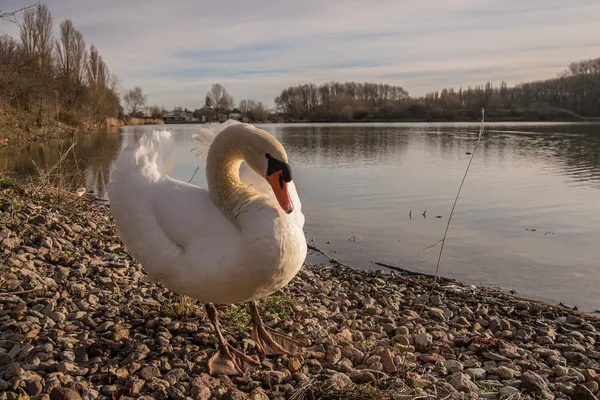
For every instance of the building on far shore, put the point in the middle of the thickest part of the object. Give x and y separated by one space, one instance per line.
179 116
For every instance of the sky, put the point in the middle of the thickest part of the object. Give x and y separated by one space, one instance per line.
175 50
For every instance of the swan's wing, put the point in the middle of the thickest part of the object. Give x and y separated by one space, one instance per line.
161 220
205 136
207 133
188 216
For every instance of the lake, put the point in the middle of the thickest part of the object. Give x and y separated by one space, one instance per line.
528 218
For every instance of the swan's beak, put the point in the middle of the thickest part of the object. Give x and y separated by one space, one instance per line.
280 189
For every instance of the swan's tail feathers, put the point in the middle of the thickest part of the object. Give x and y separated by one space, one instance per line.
149 156
207 133
133 185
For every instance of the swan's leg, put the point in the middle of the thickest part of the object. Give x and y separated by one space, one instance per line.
269 341
228 360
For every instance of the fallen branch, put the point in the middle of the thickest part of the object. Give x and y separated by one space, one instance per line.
411 273
331 259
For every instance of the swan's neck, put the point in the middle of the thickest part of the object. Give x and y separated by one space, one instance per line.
228 193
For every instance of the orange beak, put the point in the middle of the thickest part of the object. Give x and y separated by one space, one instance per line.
280 189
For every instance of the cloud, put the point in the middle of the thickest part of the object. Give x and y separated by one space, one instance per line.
176 50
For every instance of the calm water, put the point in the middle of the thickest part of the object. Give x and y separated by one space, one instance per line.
528 218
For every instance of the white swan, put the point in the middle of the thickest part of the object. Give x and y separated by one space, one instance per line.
237 241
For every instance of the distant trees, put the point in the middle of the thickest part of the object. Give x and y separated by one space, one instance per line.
219 99
156 112
135 99
338 101
253 110
576 90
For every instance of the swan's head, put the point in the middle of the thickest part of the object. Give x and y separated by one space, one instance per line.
267 157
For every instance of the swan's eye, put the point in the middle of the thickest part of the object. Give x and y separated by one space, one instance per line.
274 165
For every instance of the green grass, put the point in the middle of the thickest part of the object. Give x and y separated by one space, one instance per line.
280 306
489 388
182 307
7 182
237 316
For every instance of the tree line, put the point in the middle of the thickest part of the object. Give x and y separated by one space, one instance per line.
62 79
575 93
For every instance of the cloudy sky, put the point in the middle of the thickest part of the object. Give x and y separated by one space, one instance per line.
176 49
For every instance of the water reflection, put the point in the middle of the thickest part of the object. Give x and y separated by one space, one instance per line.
85 160
362 180
352 146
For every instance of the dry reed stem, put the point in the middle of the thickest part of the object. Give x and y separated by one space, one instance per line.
437 268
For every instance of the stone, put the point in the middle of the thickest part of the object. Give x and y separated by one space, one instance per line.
476 373
340 381
581 392
34 388
64 394
504 372
453 366
150 371
533 383
423 339
334 354
509 392
462 382
12 371
362 377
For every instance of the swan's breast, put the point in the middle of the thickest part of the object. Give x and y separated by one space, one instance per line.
274 250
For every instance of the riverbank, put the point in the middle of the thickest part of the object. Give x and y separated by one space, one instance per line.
79 320
18 127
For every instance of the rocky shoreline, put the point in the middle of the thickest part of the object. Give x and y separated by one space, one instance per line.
79 320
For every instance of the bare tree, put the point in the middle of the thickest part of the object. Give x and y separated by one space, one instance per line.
156 112
64 50
71 56
220 99
227 104
135 99
244 106
37 44
97 72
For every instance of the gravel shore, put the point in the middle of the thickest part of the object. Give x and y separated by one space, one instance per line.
78 320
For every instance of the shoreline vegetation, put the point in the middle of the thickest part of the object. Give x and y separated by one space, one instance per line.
56 86
79 320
